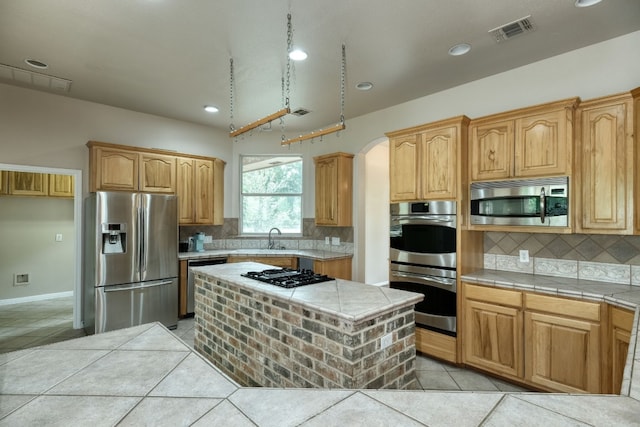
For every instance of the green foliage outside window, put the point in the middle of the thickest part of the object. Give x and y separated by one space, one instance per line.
271 194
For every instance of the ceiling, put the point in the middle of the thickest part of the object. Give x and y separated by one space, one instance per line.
171 57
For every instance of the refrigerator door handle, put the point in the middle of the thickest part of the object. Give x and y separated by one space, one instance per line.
135 287
142 241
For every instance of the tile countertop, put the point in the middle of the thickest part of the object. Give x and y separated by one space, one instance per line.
351 301
304 253
625 296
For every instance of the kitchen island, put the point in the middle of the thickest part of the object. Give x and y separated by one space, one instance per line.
335 334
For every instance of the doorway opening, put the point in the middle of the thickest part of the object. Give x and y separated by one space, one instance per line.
76 252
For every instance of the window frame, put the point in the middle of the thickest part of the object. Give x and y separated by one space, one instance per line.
242 195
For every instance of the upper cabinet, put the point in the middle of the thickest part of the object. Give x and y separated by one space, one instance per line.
605 156
424 161
529 142
14 183
127 169
334 189
197 181
28 184
200 190
61 186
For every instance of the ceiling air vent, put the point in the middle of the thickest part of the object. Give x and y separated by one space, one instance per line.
300 112
512 29
32 78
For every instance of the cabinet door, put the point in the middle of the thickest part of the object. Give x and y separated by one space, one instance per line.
605 151
491 150
620 337
61 185
562 354
218 192
493 338
438 156
203 195
542 144
157 173
114 170
3 182
185 189
337 268
403 168
326 191
28 184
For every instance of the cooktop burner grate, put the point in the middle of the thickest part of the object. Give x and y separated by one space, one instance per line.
287 277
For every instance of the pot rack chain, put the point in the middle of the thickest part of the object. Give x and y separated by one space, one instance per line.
231 94
278 114
333 129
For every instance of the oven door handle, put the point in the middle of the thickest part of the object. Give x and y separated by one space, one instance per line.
430 218
439 282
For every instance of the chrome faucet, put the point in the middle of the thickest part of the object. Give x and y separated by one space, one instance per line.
272 243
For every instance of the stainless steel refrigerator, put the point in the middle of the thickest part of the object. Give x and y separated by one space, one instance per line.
131 260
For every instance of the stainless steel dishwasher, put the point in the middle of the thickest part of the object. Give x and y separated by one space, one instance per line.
191 288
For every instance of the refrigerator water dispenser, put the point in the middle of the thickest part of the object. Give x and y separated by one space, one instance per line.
114 238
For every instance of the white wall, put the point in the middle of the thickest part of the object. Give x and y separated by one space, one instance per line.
51 130
28 226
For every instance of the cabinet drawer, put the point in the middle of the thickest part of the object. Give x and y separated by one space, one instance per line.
622 319
563 306
493 295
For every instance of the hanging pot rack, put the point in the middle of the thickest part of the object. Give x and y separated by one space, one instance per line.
333 129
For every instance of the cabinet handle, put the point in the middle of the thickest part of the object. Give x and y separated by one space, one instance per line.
492 155
542 205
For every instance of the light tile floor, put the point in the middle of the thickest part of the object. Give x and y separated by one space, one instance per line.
43 322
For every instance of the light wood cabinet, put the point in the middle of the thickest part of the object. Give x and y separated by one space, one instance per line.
334 189
112 169
28 184
605 153
621 324
4 182
529 142
61 185
424 161
562 344
157 173
493 325
195 191
337 268
283 261
120 168
197 181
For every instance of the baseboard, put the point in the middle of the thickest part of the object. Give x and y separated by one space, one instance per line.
36 298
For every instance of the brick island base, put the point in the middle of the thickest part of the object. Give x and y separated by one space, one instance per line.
260 339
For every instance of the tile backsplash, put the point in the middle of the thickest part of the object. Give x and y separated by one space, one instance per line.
227 236
606 258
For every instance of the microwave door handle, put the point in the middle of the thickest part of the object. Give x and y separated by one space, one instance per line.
542 205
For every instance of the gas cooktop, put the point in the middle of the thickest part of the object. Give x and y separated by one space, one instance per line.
287 277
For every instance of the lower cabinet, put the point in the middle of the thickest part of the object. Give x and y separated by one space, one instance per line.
550 343
338 268
493 330
621 322
284 261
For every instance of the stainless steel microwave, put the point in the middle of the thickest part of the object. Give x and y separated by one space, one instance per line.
542 202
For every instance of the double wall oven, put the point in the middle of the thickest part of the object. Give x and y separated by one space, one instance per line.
423 259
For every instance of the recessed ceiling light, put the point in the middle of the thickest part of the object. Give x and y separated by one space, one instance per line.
211 109
586 3
459 49
298 55
364 86
36 64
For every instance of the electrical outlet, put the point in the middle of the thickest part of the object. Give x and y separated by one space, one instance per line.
335 241
59 237
524 255
327 240
386 341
